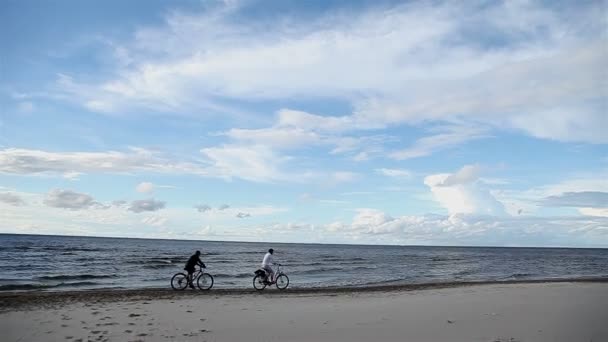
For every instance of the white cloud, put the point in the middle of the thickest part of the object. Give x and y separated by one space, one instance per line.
11 198
577 199
140 206
24 162
156 221
374 226
223 207
242 215
145 187
255 163
395 173
539 71
468 174
601 212
445 137
344 176
201 208
252 163
68 199
459 193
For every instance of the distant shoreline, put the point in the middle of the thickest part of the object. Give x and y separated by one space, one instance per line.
11 300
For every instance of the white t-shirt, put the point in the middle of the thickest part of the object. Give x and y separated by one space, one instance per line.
268 261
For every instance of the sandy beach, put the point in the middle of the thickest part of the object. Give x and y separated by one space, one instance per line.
533 311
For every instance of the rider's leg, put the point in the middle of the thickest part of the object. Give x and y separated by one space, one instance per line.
190 274
269 273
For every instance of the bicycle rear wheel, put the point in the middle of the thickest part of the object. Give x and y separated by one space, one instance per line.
282 281
258 283
204 281
179 281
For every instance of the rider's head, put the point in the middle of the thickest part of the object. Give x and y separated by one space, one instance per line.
271 251
198 252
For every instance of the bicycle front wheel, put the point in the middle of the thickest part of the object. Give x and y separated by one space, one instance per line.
282 282
179 281
258 283
204 281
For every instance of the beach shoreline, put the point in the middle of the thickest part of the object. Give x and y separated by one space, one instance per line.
497 312
15 300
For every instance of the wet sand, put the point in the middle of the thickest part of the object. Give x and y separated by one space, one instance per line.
530 311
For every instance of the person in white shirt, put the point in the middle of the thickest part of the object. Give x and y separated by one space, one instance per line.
266 265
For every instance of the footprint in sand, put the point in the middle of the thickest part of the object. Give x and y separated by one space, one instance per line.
128 331
64 325
134 315
69 337
142 334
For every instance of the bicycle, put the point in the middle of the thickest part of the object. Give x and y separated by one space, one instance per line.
204 281
281 280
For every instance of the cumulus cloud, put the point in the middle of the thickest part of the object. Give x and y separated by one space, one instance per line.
68 199
12 199
140 206
468 174
372 225
223 207
243 215
145 187
459 193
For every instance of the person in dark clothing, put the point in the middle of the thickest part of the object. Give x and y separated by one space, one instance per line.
191 266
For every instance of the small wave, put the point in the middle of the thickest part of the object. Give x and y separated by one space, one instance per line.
76 277
446 259
23 287
238 275
519 275
26 287
157 266
318 270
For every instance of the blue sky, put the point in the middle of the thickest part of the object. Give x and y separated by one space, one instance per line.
333 121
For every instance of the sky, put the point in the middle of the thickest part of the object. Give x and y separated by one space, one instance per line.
364 122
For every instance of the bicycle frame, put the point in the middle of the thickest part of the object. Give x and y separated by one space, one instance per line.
276 274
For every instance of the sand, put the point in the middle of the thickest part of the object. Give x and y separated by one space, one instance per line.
558 311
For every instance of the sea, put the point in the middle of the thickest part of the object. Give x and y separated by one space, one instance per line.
62 263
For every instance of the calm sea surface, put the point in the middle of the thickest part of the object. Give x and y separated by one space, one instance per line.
56 263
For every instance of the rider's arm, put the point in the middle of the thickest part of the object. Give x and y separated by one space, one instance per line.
201 263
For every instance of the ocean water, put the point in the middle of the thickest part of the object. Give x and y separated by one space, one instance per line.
35 262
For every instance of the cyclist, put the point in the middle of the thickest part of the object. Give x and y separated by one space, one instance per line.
266 265
194 260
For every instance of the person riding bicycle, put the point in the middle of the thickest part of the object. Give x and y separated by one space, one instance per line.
191 266
267 265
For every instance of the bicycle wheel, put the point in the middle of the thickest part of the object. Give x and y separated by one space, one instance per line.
179 281
282 281
258 283
204 281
